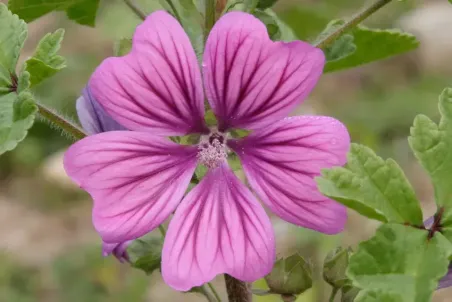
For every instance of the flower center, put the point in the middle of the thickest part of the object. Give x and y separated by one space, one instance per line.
212 150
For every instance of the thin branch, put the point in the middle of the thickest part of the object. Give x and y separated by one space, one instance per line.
59 121
355 20
131 4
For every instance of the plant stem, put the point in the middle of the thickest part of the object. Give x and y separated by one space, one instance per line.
214 291
210 16
131 4
333 294
173 8
208 295
355 20
238 291
59 121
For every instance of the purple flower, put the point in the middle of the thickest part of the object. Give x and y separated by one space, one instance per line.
92 116
119 250
138 178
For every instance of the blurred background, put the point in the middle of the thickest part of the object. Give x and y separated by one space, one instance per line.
49 250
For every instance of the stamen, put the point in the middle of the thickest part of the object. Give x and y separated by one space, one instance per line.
212 150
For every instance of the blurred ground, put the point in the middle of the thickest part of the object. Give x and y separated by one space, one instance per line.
50 251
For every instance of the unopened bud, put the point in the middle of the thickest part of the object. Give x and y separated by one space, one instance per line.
335 265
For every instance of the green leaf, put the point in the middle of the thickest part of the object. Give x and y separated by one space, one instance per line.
342 47
373 187
80 11
190 18
263 4
241 5
335 265
17 114
285 32
271 24
370 45
145 253
12 37
46 62
377 296
400 260
122 47
432 145
290 276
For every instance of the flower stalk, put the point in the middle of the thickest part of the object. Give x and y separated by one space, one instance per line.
60 122
238 291
354 21
135 9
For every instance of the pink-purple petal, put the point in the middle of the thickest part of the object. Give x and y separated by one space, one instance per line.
136 180
92 116
158 85
119 250
252 81
219 227
281 162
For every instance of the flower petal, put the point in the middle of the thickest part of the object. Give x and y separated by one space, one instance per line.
250 80
446 281
92 116
135 179
281 162
219 227
158 85
119 250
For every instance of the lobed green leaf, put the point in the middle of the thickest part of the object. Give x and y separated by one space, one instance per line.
373 187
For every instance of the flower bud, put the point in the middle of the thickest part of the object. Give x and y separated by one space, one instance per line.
349 293
290 276
335 265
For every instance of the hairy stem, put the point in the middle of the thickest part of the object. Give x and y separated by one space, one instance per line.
210 16
333 294
131 4
238 291
59 121
355 20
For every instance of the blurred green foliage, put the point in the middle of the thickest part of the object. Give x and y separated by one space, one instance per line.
378 109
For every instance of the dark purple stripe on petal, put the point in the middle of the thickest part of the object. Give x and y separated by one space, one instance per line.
219 227
251 81
281 162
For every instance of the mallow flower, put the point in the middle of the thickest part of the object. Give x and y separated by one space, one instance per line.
138 178
95 120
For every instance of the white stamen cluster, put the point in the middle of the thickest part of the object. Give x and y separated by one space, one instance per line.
212 152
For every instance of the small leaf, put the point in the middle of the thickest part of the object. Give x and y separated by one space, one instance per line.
373 187
377 296
190 18
17 114
366 46
271 24
285 31
334 267
122 47
290 276
12 37
81 11
263 4
400 260
342 47
145 253
432 145
46 62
